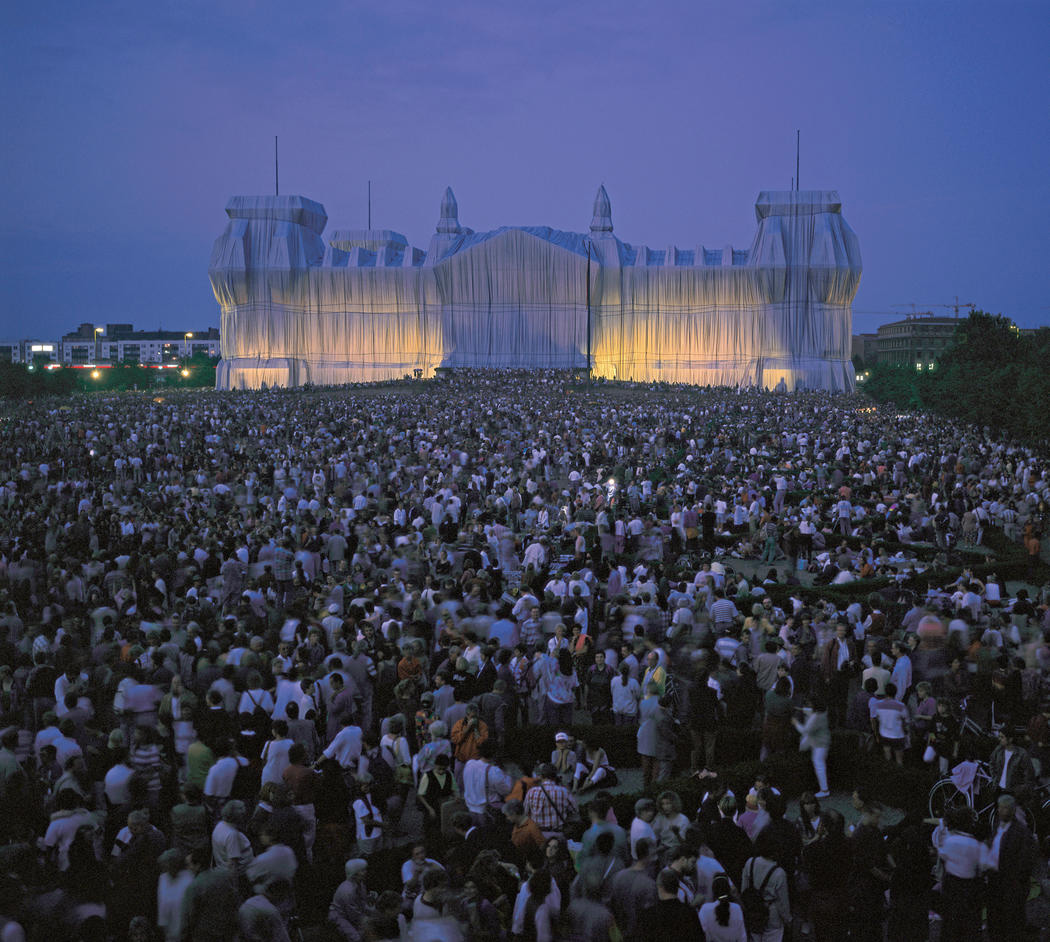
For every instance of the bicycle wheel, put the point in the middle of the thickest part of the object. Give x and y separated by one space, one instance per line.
944 797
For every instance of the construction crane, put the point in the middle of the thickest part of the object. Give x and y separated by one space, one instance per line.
915 312
955 307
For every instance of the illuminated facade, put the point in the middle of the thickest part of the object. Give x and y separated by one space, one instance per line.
356 306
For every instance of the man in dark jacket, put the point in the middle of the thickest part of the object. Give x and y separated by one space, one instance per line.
209 908
669 918
838 663
703 721
1013 850
782 837
1011 767
728 840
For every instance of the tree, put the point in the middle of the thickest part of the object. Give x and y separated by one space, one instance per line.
991 375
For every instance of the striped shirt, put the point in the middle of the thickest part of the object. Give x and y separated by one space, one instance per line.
723 611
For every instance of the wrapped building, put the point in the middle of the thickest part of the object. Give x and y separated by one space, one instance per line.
358 305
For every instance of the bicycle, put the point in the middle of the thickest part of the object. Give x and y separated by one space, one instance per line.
975 738
982 802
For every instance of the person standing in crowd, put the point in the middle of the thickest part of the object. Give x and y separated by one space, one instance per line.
1010 859
815 737
765 880
669 917
838 665
633 891
722 920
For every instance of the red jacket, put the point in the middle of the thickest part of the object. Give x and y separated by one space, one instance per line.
830 658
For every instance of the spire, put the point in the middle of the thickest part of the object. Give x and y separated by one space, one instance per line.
449 221
602 221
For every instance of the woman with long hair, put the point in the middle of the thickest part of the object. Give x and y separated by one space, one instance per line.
723 919
626 692
808 822
558 862
561 691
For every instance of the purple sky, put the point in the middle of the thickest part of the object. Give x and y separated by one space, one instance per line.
129 125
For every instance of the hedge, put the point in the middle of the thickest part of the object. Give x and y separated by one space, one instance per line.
532 744
793 772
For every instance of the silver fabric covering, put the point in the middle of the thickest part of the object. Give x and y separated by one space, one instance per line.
365 305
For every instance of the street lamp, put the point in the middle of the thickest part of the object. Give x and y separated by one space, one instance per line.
98 344
188 336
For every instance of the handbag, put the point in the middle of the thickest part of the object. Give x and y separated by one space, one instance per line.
929 755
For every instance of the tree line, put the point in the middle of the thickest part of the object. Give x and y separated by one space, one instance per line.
21 381
990 375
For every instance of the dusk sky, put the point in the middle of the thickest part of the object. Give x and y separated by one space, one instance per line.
128 126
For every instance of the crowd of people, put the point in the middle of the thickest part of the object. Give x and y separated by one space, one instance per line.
253 646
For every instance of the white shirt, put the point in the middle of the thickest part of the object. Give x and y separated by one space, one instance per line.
961 853
170 892
625 698
640 829
219 782
61 831
707 868
409 868
116 784
483 785
275 757
363 810
735 931
346 747
230 847
553 900
990 859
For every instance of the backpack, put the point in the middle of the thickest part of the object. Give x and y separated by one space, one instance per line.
402 772
383 781
245 785
753 901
